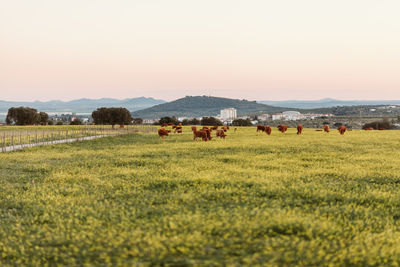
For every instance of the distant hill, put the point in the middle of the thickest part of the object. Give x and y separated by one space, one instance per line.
83 105
327 102
198 106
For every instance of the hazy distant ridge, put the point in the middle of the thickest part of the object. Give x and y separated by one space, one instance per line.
84 105
327 102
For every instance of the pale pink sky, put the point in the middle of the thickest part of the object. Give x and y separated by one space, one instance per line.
253 49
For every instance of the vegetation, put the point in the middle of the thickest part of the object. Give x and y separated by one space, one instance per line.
211 121
193 121
76 121
112 116
312 200
26 116
376 125
242 122
137 121
167 120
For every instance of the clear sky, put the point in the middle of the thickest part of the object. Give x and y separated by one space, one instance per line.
253 49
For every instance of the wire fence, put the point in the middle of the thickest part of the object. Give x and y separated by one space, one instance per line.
14 138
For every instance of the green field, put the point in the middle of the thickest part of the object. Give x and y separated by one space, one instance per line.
314 200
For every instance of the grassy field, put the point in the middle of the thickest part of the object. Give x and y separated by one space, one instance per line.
315 200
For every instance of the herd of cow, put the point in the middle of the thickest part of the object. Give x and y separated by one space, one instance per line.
205 132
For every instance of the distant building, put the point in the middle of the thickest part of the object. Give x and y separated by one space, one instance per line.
263 117
292 115
278 116
228 114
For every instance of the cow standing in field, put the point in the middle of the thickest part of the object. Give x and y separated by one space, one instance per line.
194 128
299 129
203 134
282 128
162 133
178 129
208 132
221 134
268 130
369 129
200 134
214 128
342 129
326 128
260 128
225 128
164 125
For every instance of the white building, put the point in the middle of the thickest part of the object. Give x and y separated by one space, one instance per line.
263 117
228 114
292 115
278 116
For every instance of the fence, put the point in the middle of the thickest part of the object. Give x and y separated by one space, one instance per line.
13 138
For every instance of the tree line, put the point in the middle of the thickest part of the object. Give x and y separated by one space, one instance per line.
108 116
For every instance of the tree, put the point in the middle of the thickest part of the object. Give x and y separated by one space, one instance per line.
193 121
76 121
384 124
137 121
22 116
168 120
59 123
112 116
50 122
211 121
44 118
242 122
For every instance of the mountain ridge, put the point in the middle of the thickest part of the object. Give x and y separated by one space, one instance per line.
326 103
83 105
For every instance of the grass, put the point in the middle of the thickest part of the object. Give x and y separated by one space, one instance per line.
315 200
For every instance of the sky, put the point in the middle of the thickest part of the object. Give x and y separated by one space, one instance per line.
252 49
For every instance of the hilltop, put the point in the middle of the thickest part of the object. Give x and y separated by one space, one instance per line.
198 106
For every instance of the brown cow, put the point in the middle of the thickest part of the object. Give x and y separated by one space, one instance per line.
194 128
225 128
342 129
164 125
221 134
268 130
260 128
326 128
299 129
162 132
214 128
203 134
208 132
369 129
178 129
282 128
